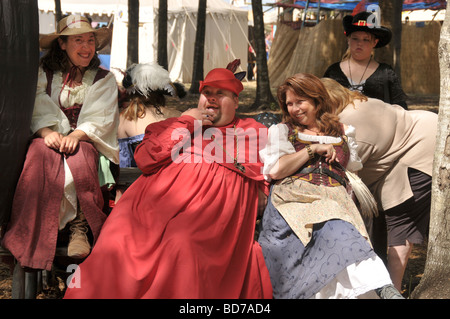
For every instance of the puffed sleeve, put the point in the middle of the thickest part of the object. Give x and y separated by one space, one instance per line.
354 163
45 112
99 117
277 146
160 141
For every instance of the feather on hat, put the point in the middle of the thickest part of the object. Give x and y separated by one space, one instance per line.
145 78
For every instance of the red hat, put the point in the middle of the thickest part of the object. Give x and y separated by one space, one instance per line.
222 79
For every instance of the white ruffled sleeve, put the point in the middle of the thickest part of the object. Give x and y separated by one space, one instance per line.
45 112
354 163
99 117
277 146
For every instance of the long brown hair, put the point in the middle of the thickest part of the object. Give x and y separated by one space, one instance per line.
309 86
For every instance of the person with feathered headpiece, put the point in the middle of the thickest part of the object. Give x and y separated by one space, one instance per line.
142 101
145 86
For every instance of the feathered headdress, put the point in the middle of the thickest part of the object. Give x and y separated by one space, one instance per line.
145 78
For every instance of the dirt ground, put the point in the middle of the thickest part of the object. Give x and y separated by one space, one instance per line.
416 264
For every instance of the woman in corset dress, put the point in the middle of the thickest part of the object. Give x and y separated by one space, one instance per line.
74 126
312 235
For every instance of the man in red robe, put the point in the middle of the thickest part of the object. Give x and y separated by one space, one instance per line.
185 228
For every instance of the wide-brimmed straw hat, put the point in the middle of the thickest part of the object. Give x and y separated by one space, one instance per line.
73 25
361 22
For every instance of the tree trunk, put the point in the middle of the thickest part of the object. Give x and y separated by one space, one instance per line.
162 34
19 62
391 17
58 12
435 282
199 49
133 32
264 98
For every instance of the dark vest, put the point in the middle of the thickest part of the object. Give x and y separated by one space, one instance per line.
317 171
73 111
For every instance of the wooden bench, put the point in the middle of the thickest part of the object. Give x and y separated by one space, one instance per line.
127 176
26 284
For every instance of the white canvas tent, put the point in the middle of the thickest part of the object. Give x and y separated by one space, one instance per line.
225 38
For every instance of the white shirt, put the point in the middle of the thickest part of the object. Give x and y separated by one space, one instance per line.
279 145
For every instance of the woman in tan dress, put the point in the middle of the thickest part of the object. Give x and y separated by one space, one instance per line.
396 148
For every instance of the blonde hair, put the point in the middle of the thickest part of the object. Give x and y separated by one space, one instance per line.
340 96
347 53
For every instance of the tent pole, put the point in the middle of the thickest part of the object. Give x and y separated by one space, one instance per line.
318 12
304 14
243 32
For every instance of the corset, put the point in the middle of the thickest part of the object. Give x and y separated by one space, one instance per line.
316 170
72 114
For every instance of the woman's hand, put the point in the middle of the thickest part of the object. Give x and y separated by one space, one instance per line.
69 144
325 150
63 144
52 139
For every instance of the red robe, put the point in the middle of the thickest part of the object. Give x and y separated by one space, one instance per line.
182 230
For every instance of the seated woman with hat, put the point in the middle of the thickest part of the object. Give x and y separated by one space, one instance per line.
74 126
358 70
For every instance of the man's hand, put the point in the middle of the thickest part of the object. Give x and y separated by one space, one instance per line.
203 115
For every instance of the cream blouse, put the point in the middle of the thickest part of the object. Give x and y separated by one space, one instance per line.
99 116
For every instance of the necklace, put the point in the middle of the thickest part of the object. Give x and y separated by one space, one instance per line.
315 133
239 166
357 87
304 128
